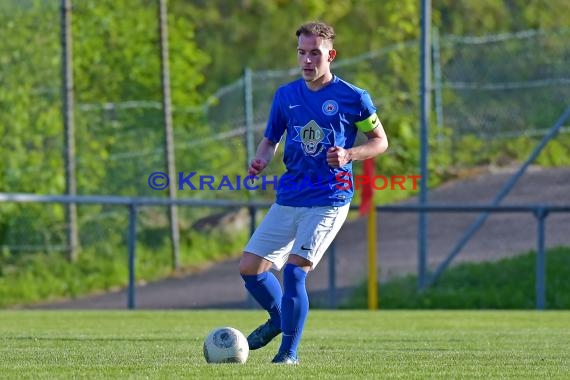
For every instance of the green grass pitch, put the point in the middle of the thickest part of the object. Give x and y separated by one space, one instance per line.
336 344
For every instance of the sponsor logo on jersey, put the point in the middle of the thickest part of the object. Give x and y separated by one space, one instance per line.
312 137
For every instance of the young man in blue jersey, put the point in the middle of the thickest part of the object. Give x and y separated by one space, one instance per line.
321 114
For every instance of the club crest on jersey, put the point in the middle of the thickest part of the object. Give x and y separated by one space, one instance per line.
312 137
330 107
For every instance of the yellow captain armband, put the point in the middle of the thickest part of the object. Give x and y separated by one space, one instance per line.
368 124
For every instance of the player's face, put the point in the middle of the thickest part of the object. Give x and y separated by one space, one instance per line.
314 56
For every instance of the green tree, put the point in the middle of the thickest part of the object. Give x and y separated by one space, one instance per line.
116 60
491 16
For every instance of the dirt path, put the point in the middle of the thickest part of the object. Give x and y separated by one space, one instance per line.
220 286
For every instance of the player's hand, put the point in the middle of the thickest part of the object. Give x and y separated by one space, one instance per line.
256 166
337 156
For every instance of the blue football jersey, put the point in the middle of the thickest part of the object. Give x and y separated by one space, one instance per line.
314 122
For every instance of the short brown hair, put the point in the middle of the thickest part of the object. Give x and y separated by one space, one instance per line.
319 29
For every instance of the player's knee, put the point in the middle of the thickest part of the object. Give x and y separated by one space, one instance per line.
244 266
251 264
300 262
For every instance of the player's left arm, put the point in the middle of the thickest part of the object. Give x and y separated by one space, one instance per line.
377 143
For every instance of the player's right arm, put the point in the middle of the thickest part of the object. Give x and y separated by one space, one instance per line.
266 149
265 153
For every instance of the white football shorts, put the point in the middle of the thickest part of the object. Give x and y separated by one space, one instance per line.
303 231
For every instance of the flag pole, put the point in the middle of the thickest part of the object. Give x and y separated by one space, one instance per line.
372 270
367 206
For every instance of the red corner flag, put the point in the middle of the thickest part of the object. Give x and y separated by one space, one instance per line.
367 194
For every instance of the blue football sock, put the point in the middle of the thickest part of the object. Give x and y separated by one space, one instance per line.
266 290
295 307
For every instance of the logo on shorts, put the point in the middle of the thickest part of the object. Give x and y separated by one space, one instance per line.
330 107
312 137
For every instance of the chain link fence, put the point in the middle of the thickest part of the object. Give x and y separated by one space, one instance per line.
504 85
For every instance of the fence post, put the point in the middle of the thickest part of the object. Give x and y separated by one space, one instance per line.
249 143
424 126
169 134
251 303
69 127
540 215
438 98
132 239
248 108
332 276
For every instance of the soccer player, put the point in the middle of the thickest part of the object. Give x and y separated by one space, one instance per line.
321 114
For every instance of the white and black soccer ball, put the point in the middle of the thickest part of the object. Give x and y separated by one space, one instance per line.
226 345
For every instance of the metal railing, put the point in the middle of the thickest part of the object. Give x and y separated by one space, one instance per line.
540 211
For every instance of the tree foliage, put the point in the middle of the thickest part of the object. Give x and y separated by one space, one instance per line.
115 60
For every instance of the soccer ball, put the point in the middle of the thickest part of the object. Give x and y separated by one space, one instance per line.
226 345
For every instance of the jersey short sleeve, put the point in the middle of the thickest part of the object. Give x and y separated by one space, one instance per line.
277 122
368 111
